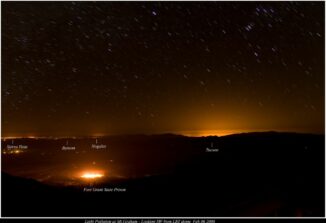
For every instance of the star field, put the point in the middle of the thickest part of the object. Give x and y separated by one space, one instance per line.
83 68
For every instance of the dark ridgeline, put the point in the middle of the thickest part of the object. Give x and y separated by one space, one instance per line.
89 68
254 174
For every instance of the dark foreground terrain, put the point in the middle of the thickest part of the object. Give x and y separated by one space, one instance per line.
254 174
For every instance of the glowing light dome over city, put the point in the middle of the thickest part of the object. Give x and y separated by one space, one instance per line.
92 175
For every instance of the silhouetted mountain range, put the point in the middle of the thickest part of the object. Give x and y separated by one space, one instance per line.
252 174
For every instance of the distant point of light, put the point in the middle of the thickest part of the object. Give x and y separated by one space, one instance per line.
12 152
31 137
98 134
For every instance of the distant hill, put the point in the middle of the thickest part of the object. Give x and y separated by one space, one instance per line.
252 174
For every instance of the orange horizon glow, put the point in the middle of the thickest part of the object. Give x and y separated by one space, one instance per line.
223 132
204 133
189 133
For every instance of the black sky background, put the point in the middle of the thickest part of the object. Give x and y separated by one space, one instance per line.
101 68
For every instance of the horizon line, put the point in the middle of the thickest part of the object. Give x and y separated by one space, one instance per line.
179 133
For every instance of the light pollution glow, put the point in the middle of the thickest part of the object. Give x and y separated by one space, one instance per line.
91 174
192 123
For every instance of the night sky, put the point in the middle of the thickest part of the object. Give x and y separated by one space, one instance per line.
196 68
